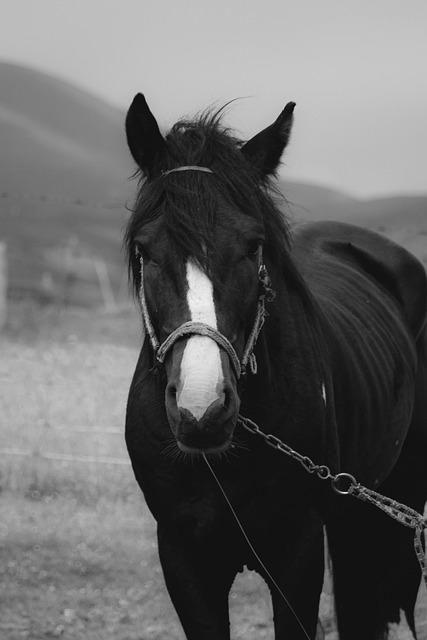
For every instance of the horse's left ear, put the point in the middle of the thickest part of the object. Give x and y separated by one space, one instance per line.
145 141
265 149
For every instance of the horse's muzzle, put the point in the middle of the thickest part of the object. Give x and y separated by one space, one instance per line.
213 431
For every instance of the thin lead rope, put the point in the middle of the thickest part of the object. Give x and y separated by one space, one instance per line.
288 604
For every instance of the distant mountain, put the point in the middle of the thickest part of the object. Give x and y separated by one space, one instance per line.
64 169
57 140
64 186
401 218
309 202
313 202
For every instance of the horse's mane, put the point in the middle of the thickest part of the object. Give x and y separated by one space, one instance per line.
188 200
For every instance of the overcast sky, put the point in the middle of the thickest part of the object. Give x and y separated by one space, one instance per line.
357 71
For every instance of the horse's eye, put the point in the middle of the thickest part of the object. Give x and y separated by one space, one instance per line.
142 251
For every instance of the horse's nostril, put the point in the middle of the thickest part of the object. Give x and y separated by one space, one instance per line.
228 397
226 401
171 395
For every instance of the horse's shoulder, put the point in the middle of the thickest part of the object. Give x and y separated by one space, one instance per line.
381 259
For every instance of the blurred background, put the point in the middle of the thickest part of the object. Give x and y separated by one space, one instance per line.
76 540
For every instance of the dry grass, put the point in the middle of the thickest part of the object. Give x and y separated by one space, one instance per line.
74 572
77 541
48 392
77 544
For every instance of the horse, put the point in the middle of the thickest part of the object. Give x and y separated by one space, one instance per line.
316 334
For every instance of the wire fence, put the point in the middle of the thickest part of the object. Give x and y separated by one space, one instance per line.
65 457
69 457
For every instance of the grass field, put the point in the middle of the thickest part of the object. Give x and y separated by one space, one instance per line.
77 543
74 572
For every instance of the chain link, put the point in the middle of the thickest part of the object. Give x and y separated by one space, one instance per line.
321 470
346 484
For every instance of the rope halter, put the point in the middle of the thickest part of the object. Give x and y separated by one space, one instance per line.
200 328
188 167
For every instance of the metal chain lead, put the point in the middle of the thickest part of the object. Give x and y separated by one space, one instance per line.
321 470
405 515
346 484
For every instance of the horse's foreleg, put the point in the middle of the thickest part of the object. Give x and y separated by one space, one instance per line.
198 584
297 567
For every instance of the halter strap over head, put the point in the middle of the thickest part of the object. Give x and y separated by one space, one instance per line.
190 167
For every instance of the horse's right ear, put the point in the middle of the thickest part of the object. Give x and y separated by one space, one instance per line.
145 141
265 149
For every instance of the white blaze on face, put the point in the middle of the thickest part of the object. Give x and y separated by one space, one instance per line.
201 375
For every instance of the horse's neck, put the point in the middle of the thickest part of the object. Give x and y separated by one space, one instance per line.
293 337
290 386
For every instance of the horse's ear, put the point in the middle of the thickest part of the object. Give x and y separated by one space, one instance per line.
145 141
265 149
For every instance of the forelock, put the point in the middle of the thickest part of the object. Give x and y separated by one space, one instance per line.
188 201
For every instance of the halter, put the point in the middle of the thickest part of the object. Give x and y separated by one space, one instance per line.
200 328
189 167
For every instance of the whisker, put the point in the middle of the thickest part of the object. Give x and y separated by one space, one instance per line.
169 447
173 453
240 444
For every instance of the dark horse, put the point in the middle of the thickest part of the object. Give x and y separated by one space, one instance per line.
341 377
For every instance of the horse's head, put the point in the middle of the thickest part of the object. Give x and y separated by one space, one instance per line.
202 226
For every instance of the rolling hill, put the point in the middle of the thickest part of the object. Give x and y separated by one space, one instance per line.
58 140
64 186
64 171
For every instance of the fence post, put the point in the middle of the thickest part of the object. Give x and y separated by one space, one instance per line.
3 285
105 285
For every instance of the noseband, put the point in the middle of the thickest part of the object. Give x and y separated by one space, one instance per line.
200 328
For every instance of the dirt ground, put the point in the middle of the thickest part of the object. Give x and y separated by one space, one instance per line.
76 572
71 571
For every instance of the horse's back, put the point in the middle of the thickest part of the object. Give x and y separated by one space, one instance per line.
385 262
